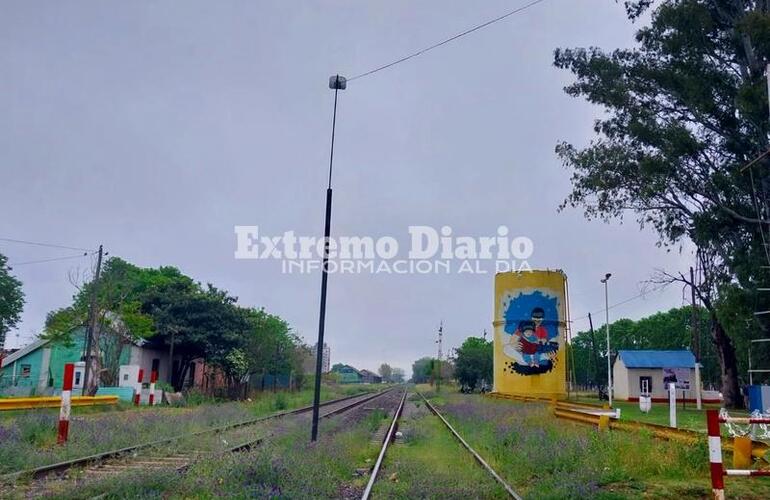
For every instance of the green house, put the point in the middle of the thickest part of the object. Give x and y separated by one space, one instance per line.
38 368
347 374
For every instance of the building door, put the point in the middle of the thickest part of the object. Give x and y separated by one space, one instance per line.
645 385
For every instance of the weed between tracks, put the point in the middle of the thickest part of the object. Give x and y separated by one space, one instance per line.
284 466
427 462
28 439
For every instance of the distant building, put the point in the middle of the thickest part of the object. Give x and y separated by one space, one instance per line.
635 370
325 360
347 374
370 377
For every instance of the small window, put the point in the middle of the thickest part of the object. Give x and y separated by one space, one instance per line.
77 378
125 377
26 370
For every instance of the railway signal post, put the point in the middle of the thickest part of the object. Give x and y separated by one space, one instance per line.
66 404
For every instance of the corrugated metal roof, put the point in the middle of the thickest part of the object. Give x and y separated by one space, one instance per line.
657 359
24 351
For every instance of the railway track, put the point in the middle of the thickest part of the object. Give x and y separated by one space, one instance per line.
391 433
239 436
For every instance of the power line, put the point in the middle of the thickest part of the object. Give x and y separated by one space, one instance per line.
51 245
630 299
49 260
450 39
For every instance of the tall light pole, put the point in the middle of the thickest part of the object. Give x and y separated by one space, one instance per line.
607 326
439 342
336 83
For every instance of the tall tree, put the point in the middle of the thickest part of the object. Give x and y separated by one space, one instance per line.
119 318
11 299
272 347
473 362
205 323
684 111
386 372
422 370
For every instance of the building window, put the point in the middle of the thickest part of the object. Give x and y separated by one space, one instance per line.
77 378
26 370
645 384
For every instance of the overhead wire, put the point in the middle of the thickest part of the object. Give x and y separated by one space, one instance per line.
50 245
54 259
626 301
446 41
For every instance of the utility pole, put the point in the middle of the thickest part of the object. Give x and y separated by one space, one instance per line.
695 339
171 359
695 318
607 324
594 353
439 342
91 322
336 83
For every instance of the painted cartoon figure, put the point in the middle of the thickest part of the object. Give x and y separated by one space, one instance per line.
533 345
525 341
537 319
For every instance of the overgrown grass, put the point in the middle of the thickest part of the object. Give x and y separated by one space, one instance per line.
28 439
549 458
429 463
687 416
285 466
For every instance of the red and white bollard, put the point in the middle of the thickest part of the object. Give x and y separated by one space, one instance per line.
715 454
138 395
66 404
153 379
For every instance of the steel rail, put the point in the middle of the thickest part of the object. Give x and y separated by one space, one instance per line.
386 442
245 446
248 445
473 452
68 464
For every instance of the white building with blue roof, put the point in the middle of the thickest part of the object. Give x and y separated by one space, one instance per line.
635 369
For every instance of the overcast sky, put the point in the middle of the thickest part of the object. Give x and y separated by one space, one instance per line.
155 127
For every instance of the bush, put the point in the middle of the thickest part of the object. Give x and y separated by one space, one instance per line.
195 397
37 430
280 402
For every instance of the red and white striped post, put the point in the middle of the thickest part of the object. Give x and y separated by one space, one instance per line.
153 379
138 395
66 404
715 454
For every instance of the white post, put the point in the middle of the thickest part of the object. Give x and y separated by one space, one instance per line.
672 405
698 401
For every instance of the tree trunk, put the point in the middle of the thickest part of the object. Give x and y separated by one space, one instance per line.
94 361
728 364
184 365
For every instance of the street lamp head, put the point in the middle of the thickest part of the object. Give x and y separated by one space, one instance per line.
606 278
337 82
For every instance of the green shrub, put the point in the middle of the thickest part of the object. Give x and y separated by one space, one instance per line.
37 430
195 397
280 402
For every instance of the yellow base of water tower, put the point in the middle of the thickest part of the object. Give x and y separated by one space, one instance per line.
530 334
